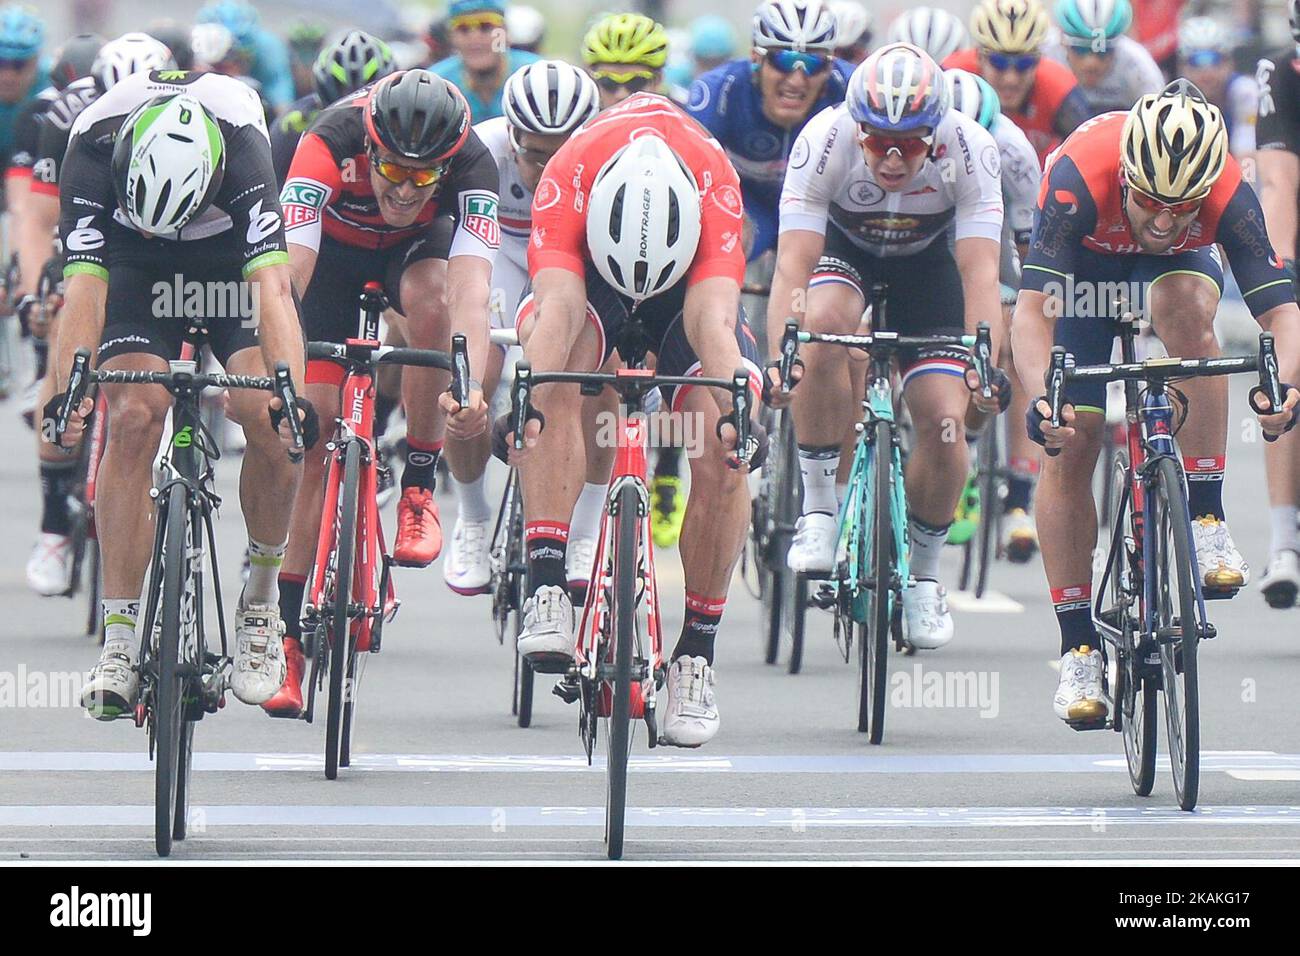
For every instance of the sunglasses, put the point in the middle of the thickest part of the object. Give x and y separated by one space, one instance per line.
1087 49
1005 61
1153 205
14 64
787 61
398 174
536 157
1203 58
483 23
634 81
881 144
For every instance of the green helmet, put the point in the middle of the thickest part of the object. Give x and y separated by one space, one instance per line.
1085 22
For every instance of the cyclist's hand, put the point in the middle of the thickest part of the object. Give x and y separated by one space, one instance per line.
1276 424
1000 385
773 394
750 458
503 439
468 422
306 416
76 421
1039 426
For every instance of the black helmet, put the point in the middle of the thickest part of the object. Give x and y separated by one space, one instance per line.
417 115
355 60
72 61
176 38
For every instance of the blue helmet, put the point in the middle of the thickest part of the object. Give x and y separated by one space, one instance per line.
712 37
898 88
238 17
22 33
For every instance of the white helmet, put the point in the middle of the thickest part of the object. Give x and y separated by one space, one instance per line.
852 20
1203 33
130 53
801 25
549 97
643 218
211 43
168 162
937 32
524 25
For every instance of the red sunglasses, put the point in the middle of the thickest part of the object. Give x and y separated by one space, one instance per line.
1154 205
909 147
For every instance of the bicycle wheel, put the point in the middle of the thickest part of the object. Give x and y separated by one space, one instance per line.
1177 629
798 623
877 588
340 621
623 617
523 669
989 458
170 738
94 618
782 609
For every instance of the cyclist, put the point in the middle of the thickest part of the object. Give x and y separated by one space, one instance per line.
343 66
525 28
625 54
713 42
1113 70
1140 197
874 189
585 292
483 59
853 30
22 76
972 96
1205 58
1277 160
181 159
389 185
266 53
937 32
306 39
1040 96
544 102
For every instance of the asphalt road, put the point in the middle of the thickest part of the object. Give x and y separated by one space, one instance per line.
982 770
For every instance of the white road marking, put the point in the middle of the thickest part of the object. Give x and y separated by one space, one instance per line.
993 602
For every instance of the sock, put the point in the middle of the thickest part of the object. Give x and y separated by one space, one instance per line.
818 466
588 510
1073 606
421 469
474 506
119 621
42 349
384 407
264 562
57 479
668 463
1020 484
292 588
545 542
700 627
1204 485
927 545
1283 522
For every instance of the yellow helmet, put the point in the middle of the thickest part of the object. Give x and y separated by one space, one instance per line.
626 38
1009 26
1174 144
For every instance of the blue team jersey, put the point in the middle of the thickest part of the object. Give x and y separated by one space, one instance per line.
452 70
727 102
270 67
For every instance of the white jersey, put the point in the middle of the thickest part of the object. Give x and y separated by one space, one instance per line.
1133 73
1241 109
1021 176
959 190
515 215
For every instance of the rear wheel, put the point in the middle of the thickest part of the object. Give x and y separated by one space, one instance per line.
339 636
877 564
623 617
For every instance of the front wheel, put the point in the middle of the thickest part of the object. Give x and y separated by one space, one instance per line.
623 617
877 564
170 736
339 637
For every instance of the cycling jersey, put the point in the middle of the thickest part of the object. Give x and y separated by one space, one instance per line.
1020 180
1054 106
727 102
452 70
1240 109
27 134
510 270
9 112
55 128
269 66
328 190
829 181
1278 79
288 129
245 211
1133 73
1081 210
559 234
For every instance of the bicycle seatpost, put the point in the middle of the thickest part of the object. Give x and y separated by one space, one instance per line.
1056 390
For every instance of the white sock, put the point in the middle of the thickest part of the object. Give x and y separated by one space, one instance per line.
1285 535
472 496
586 513
264 562
120 617
818 467
927 545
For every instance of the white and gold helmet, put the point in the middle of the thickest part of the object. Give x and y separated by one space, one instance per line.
1009 26
1174 144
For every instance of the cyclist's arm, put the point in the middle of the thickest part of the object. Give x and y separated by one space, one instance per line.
709 318
35 235
474 243
312 183
1278 172
279 334
86 206
469 289
797 253
559 310
979 261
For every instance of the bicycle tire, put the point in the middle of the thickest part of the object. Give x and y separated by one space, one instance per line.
873 643
340 621
783 613
990 505
94 617
1178 660
523 670
168 712
798 623
623 617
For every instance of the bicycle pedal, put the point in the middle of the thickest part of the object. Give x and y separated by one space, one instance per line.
567 690
1219 594
824 598
1095 723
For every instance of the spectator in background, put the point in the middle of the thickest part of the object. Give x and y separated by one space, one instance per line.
305 41
266 54
852 30
1205 58
483 57
525 28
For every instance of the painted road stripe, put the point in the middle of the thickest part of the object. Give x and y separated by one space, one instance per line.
795 818
993 602
1233 762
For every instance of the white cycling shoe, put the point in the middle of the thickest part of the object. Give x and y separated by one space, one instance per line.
114 683
813 548
1078 695
927 623
1221 565
547 637
1281 582
260 667
49 569
691 714
579 560
467 568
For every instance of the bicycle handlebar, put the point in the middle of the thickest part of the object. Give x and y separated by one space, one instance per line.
890 340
